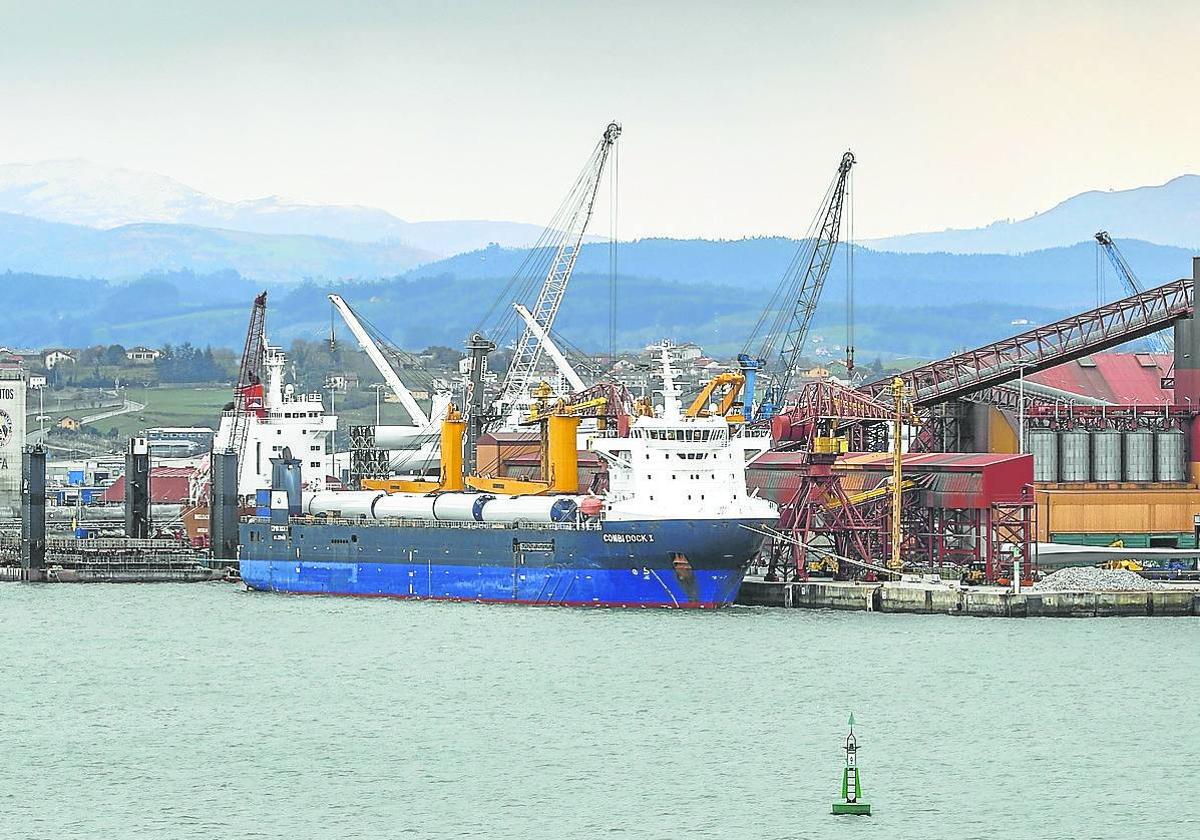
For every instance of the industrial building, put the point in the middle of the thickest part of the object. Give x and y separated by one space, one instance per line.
1113 435
12 439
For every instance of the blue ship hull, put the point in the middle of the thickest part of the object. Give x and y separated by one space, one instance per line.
672 563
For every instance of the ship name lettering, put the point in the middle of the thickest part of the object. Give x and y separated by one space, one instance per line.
628 538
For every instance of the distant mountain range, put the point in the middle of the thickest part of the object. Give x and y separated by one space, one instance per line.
1167 214
923 305
101 255
74 218
129 251
82 193
1055 277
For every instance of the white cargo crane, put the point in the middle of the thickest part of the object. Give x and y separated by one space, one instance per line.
547 344
415 412
578 212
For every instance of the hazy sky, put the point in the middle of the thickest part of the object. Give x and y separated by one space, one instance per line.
735 114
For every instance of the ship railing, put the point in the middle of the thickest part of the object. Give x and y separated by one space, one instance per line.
402 522
744 434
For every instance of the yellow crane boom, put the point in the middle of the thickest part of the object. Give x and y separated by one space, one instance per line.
733 382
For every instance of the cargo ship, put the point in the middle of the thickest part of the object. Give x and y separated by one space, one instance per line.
278 417
676 526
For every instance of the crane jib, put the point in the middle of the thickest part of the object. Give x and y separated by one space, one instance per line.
528 351
807 277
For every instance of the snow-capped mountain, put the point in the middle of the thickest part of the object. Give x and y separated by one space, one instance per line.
79 192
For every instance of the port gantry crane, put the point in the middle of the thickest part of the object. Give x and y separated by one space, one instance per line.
1159 342
793 304
563 239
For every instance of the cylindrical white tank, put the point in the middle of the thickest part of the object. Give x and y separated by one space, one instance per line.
1139 455
460 507
1075 455
530 509
403 437
1170 460
1106 455
1043 445
347 503
405 506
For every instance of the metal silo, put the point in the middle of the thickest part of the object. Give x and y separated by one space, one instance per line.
1170 458
1106 455
1043 445
1139 455
1075 454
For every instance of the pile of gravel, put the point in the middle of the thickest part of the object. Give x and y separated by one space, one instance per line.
1092 579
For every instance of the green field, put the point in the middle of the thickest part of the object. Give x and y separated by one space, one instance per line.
169 407
202 407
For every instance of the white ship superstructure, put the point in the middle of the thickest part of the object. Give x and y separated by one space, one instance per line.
679 467
287 419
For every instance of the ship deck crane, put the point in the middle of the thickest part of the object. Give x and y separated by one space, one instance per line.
793 304
729 407
547 344
415 412
563 239
1159 342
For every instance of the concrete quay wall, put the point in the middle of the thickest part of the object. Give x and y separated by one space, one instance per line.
989 602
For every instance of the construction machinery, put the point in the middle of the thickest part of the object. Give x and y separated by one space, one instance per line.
783 326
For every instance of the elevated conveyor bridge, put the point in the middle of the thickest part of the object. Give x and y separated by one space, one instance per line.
1044 347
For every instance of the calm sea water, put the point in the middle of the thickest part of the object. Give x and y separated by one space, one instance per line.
201 711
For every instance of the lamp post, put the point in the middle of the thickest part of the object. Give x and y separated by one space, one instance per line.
378 386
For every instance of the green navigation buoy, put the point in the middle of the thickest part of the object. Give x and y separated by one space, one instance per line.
851 783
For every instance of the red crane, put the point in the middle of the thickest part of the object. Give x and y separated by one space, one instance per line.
248 390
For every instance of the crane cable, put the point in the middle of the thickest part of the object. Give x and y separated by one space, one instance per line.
779 307
405 359
613 182
536 264
849 245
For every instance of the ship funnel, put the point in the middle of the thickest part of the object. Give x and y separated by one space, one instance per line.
286 478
